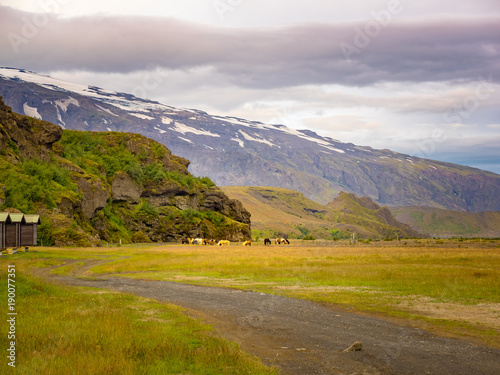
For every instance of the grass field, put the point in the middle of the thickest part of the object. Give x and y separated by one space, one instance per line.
451 287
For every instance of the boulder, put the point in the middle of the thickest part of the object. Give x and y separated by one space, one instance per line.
95 194
123 188
355 347
215 200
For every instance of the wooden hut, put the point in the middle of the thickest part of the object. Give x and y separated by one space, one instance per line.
29 230
13 230
4 220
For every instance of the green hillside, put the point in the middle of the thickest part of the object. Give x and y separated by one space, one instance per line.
91 188
278 211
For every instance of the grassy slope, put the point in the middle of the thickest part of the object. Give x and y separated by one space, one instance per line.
446 223
276 209
279 211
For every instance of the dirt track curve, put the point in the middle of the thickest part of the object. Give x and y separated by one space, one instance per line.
301 337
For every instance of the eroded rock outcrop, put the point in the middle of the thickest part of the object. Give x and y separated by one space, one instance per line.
124 188
95 194
26 137
110 186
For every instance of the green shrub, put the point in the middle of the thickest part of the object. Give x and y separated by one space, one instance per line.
146 208
35 183
140 237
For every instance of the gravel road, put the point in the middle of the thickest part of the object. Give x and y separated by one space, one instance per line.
301 337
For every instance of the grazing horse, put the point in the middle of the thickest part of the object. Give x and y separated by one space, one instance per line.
267 241
281 240
247 243
223 243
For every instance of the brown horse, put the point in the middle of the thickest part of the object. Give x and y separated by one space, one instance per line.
281 240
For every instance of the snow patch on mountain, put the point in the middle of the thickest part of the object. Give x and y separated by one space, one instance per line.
107 111
141 116
31 111
161 131
186 140
183 129
59 118
239 141
261 140
65 103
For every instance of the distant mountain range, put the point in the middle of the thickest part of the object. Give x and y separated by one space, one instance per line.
238 152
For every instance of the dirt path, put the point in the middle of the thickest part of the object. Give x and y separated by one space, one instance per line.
302 337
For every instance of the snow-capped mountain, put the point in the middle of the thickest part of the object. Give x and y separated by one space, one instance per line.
235 151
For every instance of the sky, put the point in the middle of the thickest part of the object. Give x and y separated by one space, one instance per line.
417 77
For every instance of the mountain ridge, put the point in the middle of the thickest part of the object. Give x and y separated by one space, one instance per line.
280 212
239 152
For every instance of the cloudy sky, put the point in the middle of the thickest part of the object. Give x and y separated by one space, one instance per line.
418 77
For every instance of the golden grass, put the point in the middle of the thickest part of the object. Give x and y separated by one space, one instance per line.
456 289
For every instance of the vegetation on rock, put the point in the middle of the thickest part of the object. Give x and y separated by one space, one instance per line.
108 186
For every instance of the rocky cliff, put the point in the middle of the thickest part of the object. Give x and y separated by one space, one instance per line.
108 186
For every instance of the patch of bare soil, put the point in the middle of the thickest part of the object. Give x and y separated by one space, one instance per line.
487 314
302 337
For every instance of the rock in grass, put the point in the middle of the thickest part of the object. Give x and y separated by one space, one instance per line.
357 346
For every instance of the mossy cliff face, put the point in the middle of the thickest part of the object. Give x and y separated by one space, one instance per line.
25 137
108 186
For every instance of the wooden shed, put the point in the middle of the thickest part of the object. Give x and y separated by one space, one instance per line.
4 220
13 230
29 230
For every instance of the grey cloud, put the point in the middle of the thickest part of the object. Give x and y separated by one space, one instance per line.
256 58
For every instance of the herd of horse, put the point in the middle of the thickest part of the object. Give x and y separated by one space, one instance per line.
204 241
